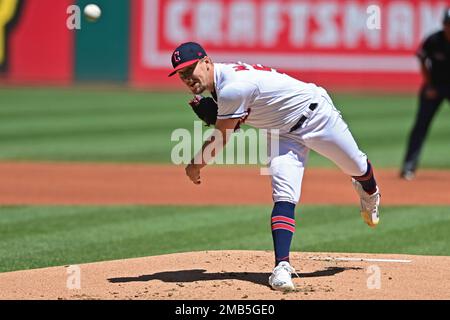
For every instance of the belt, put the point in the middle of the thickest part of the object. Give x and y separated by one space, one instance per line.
303 118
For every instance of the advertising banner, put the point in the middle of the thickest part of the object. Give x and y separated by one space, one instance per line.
351 43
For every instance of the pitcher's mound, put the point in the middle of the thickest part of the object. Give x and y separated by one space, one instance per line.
230 275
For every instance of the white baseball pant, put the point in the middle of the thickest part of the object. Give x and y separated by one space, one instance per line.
325 132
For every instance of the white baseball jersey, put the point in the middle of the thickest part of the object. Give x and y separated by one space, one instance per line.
277 101
272 100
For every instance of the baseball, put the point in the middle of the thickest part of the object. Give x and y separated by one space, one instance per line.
92 12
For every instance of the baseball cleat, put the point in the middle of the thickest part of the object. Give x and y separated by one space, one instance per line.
407 175
281 279
369 204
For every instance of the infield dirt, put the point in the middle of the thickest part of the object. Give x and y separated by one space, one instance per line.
237 275
218 274
106 184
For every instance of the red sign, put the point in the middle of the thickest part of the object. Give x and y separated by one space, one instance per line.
339 43
38 46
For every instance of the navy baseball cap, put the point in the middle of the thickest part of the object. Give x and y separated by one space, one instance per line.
186 54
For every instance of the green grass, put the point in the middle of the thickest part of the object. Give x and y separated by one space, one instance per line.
80 124
87 124
32 237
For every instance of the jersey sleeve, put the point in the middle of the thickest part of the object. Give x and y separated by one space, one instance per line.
234 99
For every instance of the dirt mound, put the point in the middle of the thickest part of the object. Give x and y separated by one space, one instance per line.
231 275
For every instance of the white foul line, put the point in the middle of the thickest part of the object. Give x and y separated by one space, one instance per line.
360 259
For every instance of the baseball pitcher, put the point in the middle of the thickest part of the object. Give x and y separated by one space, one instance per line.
306 119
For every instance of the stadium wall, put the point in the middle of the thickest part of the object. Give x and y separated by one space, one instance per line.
351 44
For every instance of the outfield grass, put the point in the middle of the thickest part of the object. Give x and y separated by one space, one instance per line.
33 237
75 124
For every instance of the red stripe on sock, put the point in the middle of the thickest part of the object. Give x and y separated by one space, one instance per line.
283 226
283 219
365 177
282 259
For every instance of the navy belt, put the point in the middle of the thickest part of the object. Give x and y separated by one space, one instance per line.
303 118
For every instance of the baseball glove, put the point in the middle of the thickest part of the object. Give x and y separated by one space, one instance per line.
205 108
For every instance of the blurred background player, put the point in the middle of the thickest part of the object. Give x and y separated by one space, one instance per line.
434 57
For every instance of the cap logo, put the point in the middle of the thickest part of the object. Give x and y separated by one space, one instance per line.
184 55
176 56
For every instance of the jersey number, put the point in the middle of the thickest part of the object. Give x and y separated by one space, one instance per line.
240 67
